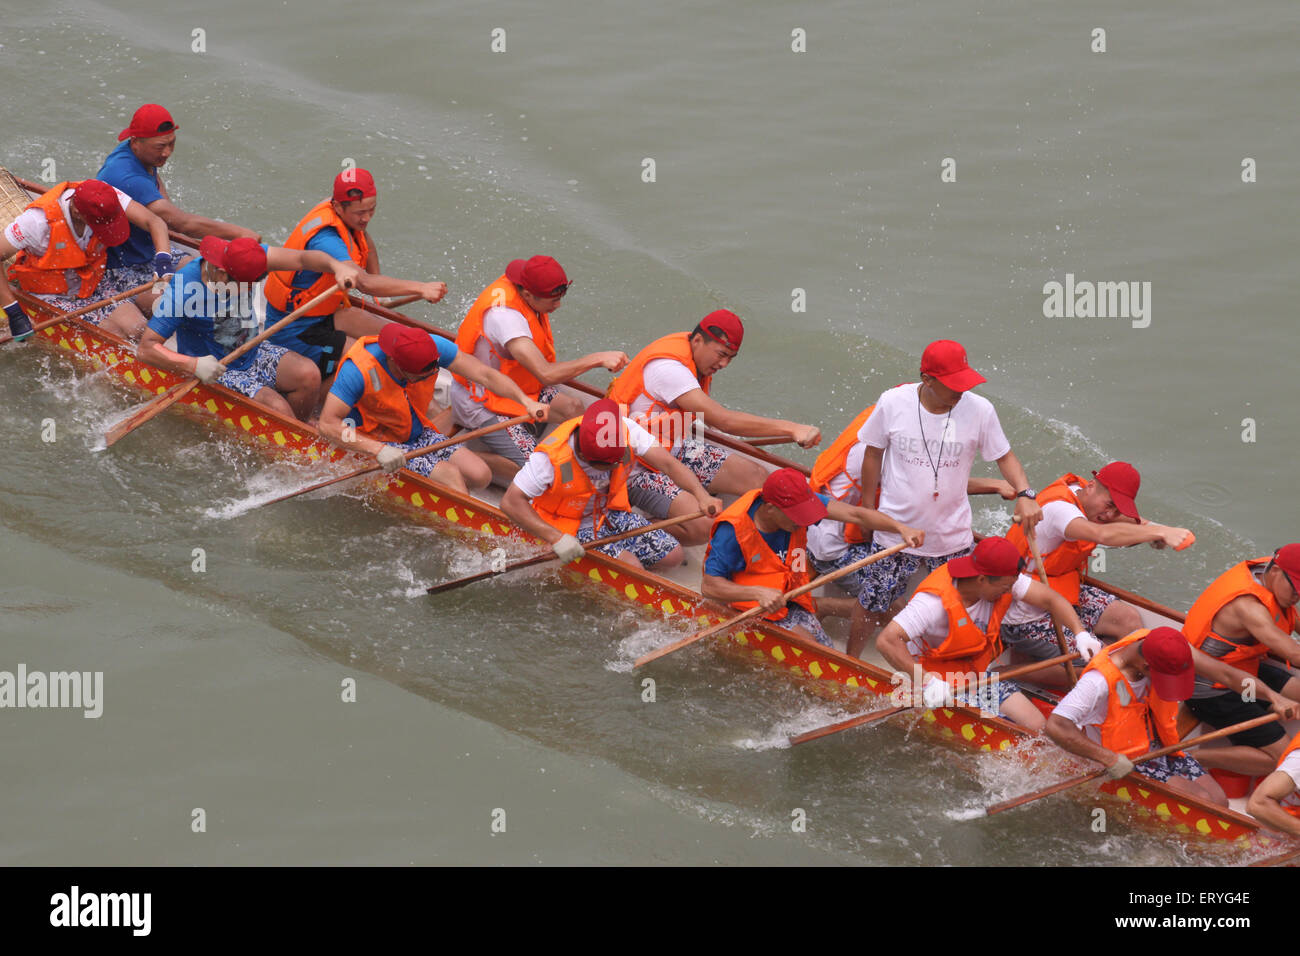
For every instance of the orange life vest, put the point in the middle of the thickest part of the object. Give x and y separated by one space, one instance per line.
386 404
283 296
502 292
46 274
630 385
1065 564
832 462
565 502
763 568
967 647
1132 726
1237 581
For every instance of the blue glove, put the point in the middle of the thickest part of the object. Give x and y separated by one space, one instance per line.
20 326
163 265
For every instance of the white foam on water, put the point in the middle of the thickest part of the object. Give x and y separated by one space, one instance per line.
646 638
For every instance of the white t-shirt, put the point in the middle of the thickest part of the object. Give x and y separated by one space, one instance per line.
666 380
1050 533
826 537
500 325
1291 767
910 463
925 622
1085 705
30 232
535 477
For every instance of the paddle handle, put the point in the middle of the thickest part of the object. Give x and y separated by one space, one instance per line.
860 720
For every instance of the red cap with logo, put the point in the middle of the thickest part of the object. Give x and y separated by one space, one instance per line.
353 184
1288 559
1169 663
97 203
995 557
600 436
413 350
1122 481
946 361
243 259
540 275
725 327
788 490
149 120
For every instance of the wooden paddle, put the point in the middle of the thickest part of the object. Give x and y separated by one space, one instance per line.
1282 858
397 301
542 558
415 453
1163 751
36 303
156 405
756 611
875 715
1042 575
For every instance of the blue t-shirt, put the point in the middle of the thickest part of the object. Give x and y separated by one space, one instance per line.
328 241
140 182
203 322
349 385
725 558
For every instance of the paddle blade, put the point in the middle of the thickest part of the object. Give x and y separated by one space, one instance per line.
123 428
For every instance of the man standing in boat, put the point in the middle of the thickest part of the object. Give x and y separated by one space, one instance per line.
379 403
1132 687
208 306
758 551
1247 614
567 506
144 148
338 227
1078 515
508 327
63 240
950 628
920 445
667 389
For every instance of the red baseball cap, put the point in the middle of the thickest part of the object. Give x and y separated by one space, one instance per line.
946 361
412 349
540 275
97 203
244 259
1288 559
149 120
600 436
1169 662
995 557
725 327
353 180
1122 481
788 490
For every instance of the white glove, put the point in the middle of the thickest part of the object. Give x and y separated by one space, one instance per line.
391 458
568 548
936 692
1087 644
208 368
1120 768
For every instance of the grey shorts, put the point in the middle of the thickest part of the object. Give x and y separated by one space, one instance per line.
653 491
515 443
1037 638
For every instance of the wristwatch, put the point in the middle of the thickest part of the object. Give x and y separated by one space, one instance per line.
1027 493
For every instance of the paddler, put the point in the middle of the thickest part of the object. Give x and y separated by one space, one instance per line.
1247 614
1078 515
1131 687
950 628
758 551
379 403
208 306
1276 801
508 327
144 148
338 227
573 489
667 389
838 473
63 239
921 443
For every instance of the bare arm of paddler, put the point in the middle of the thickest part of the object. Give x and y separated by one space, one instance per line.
519 510
1266 802
1125 533
729 592
1238 680
744 424
194 225
479 372
525 351
1028 513
660 460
